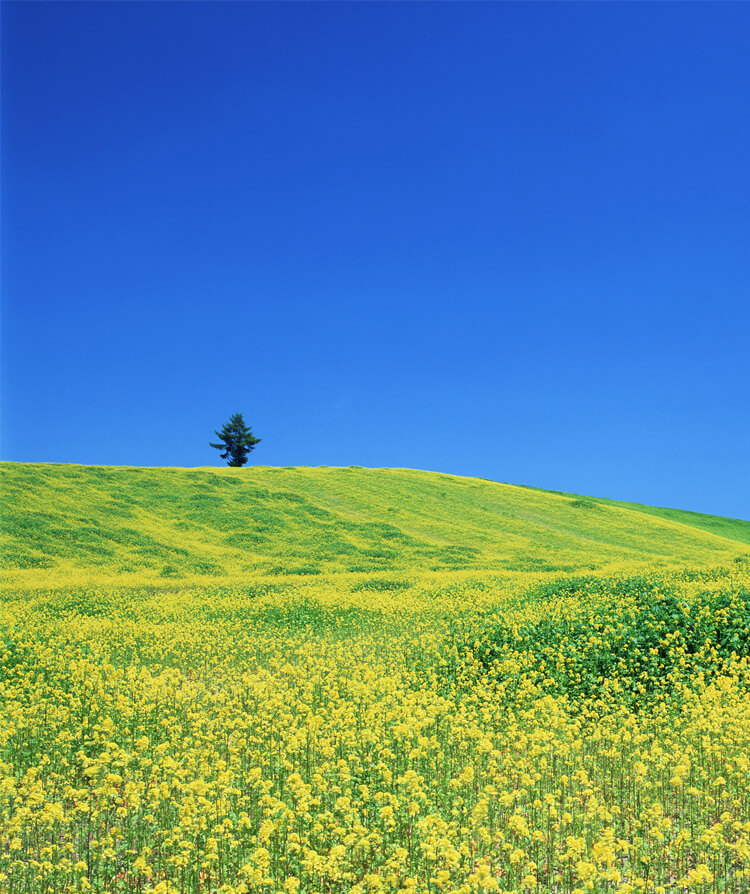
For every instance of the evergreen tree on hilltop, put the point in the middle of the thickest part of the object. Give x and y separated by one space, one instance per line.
236 439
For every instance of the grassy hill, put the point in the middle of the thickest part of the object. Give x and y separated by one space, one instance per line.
259 680
67 524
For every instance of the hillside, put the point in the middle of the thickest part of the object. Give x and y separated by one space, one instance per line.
65 524
730 528
206 672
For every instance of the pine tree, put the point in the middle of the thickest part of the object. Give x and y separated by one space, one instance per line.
236 440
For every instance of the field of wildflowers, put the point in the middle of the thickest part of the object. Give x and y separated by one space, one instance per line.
414 724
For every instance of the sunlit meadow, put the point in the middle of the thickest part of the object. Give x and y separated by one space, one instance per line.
350 680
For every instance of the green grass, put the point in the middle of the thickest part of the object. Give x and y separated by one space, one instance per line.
730 528
63 524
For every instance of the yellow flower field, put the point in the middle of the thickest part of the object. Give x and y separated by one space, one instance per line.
420 729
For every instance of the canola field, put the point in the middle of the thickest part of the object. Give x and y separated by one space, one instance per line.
351 680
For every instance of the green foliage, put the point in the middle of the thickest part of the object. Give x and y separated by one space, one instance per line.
236 440
381 585
626 639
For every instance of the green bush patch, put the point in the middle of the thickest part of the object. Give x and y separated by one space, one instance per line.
629 640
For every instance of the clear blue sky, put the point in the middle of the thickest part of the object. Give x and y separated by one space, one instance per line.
505 240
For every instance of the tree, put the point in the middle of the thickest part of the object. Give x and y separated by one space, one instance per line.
236 440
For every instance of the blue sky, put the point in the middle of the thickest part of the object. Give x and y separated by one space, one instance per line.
505 240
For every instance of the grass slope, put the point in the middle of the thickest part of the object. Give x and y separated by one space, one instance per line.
67 524
730 528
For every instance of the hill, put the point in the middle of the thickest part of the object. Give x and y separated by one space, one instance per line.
254 680
68 524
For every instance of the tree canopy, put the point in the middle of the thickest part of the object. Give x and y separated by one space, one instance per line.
236 440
